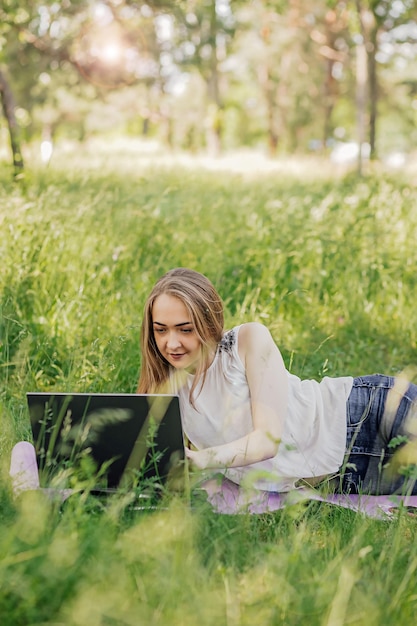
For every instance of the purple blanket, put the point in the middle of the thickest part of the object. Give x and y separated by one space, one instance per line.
228 498
225 496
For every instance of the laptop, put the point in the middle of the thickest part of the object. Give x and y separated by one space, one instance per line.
107 441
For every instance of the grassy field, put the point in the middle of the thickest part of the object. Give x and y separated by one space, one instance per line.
328 262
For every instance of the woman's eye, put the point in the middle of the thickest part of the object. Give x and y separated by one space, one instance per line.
187 330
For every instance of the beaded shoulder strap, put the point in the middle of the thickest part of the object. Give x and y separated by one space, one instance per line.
228 341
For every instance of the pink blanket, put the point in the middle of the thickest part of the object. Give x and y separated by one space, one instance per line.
225 496
228 498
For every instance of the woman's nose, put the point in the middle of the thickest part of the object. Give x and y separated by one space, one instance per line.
173 340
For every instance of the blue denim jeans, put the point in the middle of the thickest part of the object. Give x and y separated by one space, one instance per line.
380 409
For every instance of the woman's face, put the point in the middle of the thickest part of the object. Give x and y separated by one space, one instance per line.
174 332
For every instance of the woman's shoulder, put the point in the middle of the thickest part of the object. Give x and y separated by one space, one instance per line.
247 336
253 331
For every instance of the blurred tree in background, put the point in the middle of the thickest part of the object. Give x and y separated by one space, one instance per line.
290 76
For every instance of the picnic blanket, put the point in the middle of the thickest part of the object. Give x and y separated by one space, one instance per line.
230 499
226 497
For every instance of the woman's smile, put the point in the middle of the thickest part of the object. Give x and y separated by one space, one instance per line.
177 357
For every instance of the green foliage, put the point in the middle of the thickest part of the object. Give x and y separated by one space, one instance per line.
82 564
212 74
328 264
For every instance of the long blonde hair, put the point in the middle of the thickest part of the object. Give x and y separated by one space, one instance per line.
205 308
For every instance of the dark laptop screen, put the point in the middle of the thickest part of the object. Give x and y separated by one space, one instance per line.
120 435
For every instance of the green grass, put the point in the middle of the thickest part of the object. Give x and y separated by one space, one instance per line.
328 263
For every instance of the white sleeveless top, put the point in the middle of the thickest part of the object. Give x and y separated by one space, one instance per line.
314 434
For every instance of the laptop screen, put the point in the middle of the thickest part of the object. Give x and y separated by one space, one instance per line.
120 438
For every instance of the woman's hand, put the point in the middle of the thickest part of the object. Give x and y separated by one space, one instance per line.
208 458
196 458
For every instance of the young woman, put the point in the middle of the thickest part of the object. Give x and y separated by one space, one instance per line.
245 415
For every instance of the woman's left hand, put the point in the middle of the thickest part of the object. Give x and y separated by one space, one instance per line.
196 458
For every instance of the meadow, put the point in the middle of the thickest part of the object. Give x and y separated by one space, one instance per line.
327 261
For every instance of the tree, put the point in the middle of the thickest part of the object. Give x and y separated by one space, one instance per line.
218 71
330 34
91 49
8 107
9 15
375 18
292 48
204 31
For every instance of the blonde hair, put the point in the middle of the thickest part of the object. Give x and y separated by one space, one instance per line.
205 308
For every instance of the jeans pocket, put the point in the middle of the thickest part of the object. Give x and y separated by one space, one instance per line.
359 409
359 406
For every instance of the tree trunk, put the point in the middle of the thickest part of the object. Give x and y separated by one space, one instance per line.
269 93
373 92
328 102
8 107
366 18
361 97
269 90
214 114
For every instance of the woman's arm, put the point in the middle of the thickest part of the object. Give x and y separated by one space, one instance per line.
268 386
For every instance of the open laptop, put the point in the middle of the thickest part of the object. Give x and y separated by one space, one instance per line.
116 440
